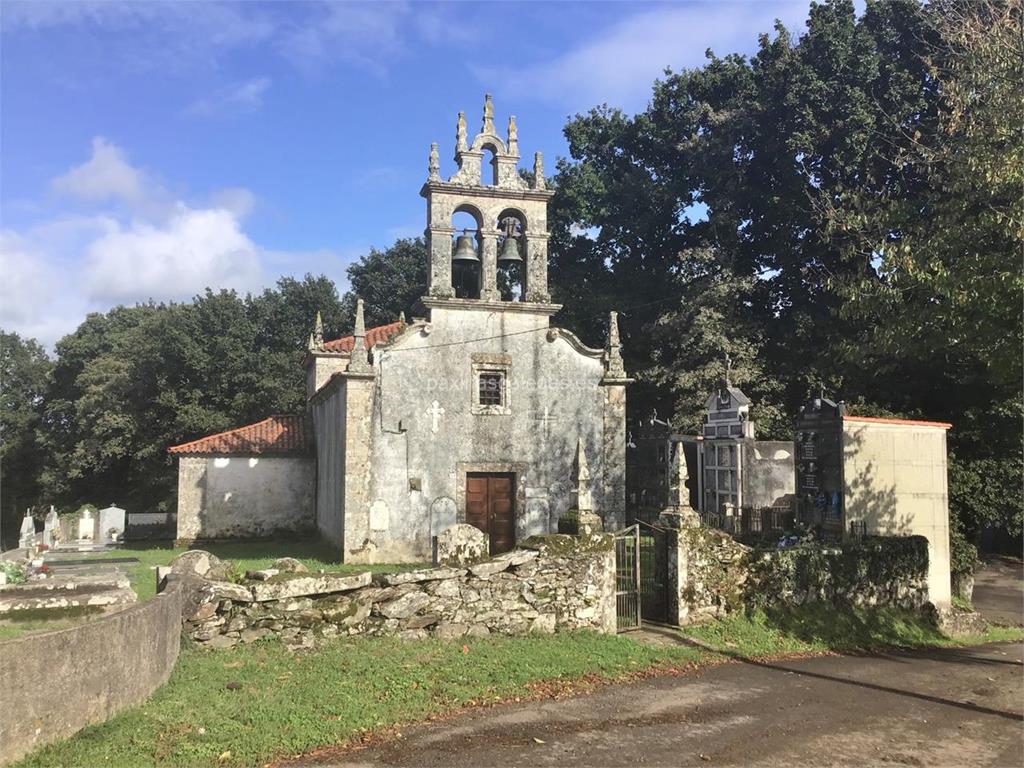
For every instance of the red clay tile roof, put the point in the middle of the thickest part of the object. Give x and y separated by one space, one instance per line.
288 434
907 422
373 336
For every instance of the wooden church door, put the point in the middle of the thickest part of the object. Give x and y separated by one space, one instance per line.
490 506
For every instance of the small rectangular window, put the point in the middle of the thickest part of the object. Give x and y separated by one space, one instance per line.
491 388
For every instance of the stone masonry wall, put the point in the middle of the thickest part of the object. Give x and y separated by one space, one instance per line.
555 582
713 574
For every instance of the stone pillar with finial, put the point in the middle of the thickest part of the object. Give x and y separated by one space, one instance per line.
434 164
513 137
461 145
588 521
538 171
613 367
679 513
488 123
359 362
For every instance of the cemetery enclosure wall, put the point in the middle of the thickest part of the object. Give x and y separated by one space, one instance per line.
554 582
223 497
56 683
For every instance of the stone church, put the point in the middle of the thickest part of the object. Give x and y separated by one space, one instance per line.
480 411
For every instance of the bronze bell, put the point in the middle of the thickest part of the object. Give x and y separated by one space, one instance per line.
510 252
464 249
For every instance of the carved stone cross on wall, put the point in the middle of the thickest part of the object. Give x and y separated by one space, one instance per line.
435 412
546 418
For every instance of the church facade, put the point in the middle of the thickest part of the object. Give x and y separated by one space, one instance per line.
479 411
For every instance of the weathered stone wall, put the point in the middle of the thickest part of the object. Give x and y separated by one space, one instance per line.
552 583
419 454
53 684
712 574
244 496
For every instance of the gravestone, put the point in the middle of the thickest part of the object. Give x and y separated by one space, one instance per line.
87 526
461 544
111 526
51 528
27 538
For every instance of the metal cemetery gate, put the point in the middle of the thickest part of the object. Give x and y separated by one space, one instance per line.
653 573
627 578
641 576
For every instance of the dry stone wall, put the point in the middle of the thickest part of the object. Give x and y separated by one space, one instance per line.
713 574
551 583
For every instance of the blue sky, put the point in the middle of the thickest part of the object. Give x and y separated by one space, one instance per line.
150 149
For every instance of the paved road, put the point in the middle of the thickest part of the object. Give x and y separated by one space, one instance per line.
999 591
932 708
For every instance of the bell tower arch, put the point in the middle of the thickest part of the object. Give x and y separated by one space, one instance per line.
512 233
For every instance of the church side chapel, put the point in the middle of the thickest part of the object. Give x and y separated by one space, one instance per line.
480 411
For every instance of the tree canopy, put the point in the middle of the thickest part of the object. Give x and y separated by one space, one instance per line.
840 211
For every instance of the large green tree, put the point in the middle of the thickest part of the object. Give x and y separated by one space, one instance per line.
130 383
24 372
389 282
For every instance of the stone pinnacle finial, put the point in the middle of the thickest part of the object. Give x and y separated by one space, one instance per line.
728 371
488 127
584 502
434 166
401 317
316 338
538 171
679 494
460 136
613 353
513 136
359 360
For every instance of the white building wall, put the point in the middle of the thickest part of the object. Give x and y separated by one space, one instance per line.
895 480
244 496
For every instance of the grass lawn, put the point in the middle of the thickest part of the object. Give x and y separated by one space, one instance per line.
280 704
245 555
18 623
821 628
251 704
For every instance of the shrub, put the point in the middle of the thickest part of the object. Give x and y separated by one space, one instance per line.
963 555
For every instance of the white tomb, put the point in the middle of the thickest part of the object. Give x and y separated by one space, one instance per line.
27 538
111 526
87 526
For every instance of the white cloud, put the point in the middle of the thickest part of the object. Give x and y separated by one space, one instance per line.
619 64
105 176
141 244
193 250
239 98
183 36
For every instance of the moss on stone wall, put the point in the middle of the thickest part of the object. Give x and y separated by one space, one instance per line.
565 545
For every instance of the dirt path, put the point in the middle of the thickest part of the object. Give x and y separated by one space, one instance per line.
929 708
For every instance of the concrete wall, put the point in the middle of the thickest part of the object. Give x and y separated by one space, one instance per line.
56 683
894 476
415 471
768 473
244 496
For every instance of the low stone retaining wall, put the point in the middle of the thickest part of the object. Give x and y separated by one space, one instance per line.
713 574
551 583
55 683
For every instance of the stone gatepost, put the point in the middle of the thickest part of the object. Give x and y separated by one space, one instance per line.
674 520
